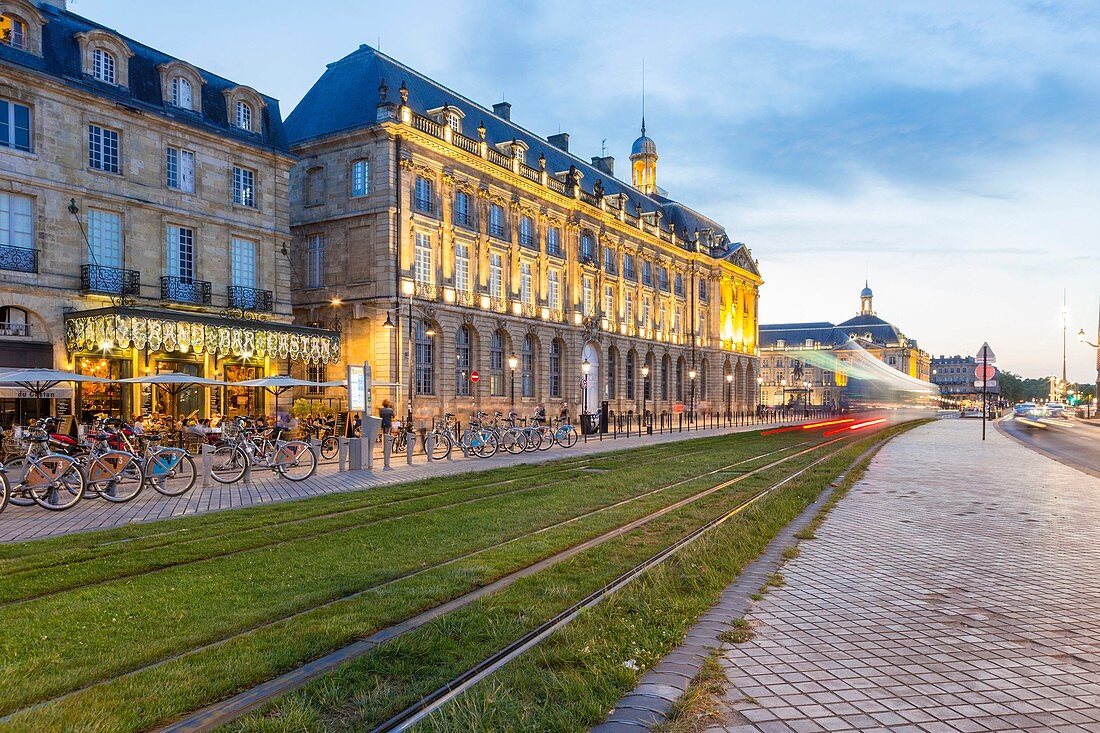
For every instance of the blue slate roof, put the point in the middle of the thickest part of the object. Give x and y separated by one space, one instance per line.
346 97
880 330
61 59
796 334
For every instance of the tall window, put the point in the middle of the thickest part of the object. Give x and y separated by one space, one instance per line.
629 304
588 299
553 241
588 246
315 373
422 270
527 231
630 375
496 276
647 312
13 32
462 268
526 290
680 380
629 270
462 361
701 329
244 187
678 321
701 288
180 166
424 195
496 220
556 350
16 221
679 284
244 116
15 125
104 238
103 66
462 209
666 365
610 266
609 301
181 253
103 149
315 260
360 177
647 383
496 364
662 317
424 359
647 273
662 276
612 373
553 279
527 366
181 93
243 263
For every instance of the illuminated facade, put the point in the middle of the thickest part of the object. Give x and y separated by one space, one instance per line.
143 219
813 361
506 249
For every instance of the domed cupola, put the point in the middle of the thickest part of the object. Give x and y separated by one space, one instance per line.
865 298
643 163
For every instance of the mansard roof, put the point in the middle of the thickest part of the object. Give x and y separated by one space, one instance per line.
345 98
61 60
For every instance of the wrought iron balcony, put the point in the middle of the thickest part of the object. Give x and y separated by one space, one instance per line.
109 280
15 329
19 259
184 290
250 299
427 291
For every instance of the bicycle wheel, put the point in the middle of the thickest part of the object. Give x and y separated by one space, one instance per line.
566 436
18 494
398 444
486 445
534 440
513 441
546 438
122 476
228 464
330 446
294 460
65 490
171 471
442 448
5 490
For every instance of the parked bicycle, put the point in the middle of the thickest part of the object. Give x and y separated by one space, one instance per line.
245 449
330 445
477 440
169 470
54 481
114 475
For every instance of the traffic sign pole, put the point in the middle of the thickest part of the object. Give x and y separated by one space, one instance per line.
987 357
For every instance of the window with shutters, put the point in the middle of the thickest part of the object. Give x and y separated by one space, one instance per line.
180 167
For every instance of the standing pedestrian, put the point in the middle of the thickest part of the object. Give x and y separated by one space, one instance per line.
386 413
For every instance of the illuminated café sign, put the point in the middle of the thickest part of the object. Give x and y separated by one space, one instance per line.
201 333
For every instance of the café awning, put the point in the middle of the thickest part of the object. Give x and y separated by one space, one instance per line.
221 335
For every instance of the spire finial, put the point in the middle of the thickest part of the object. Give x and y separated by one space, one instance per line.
643 125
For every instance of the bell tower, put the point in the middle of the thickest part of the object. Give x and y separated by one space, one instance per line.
643 163
865 298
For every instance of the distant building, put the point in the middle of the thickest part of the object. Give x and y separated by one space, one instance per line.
802 362
955 377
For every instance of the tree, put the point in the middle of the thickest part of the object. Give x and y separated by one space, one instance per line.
1015 388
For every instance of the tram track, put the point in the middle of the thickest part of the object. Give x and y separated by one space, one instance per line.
464 599
84 583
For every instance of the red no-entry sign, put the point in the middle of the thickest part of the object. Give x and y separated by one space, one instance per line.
985 372
475 377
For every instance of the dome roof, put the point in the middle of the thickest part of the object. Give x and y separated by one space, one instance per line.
866 292
644 146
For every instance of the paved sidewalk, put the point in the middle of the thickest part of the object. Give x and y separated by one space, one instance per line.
18 524
957 588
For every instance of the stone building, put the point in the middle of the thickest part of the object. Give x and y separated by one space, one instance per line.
816 361
955 376
422 219
143 219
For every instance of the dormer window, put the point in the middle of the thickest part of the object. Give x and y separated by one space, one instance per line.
181 93
454 122
448 116
244 116
181 85
103 66
13 32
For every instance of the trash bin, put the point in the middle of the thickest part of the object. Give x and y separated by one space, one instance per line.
588 423
603 416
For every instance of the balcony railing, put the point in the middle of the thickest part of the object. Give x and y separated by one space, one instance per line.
109 280
15 329
19 259
184 290
464 297
251 299
426 291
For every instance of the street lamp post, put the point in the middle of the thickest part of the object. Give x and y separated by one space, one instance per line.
809 401
645 391
759 394
512 362
586 367
1082 339
691 403
729 395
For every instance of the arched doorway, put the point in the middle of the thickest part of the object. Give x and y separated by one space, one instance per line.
591 393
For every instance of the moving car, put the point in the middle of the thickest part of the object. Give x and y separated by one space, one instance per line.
1028 409
1055 409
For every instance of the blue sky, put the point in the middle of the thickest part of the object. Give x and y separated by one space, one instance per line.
947 151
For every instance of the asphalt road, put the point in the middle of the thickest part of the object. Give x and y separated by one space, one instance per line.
1068 441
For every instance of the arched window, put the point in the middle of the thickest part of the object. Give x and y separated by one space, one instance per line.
182 93
703 379
630 375
610 388
496 364
680 379
103 66
527 366
425 359
13 32
463 342
666 367
557 352
244 116
13 321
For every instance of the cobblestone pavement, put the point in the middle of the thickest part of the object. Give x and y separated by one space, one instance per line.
957 588
26 523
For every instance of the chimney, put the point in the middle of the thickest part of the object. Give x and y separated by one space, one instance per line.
605 164
561 141
503 109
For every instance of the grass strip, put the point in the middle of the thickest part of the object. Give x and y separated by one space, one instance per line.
96 644
576 676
